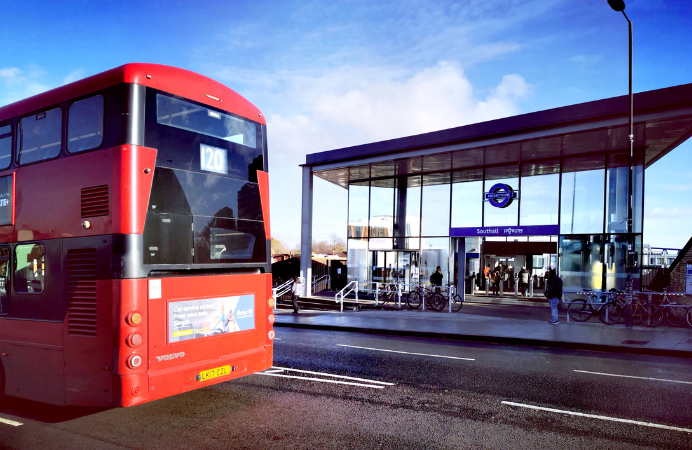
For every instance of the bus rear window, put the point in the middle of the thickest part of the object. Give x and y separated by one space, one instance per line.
188 116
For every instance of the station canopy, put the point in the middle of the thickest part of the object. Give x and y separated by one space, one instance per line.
576 137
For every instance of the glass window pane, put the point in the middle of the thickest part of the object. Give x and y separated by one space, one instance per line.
4 273
382 208
580 262
540 197
407 207
501 216
30 273
85 124
358 203
467 204
434 252
435 220
357 260
5 146
39 136
582 202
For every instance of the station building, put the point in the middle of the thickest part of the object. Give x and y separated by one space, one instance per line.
538 190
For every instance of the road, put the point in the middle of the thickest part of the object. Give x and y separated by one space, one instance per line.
351 390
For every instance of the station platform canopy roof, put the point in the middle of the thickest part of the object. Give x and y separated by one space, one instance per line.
581 134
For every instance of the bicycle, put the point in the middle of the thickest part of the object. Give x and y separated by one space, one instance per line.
676 315
433 300
582 309
457 301
388 293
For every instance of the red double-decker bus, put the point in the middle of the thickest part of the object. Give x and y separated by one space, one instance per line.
134 239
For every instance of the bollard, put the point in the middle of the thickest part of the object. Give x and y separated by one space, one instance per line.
502 287
531 288
487 286
516 287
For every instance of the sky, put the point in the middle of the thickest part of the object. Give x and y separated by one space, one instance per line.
331 74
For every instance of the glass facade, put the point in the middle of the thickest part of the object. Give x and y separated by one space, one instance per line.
402 225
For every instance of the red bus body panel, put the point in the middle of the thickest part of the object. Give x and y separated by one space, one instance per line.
166 78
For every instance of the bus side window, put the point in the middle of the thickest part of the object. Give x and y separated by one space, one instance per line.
5 146
39 136
85 124
4 274
30 272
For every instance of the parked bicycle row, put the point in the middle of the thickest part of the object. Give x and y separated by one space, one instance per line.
650 309
435 298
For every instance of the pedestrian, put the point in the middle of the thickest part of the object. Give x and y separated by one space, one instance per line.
497 276
553 292
523 280
436 278
296 290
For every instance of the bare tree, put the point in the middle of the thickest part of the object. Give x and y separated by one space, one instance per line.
321 247
337 244
278 248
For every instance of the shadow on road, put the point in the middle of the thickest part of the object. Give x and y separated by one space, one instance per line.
43 412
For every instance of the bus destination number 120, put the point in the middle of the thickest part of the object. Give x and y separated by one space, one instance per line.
213 159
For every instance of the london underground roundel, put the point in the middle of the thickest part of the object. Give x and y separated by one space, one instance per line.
500 195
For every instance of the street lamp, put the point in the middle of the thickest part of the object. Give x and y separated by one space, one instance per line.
619 6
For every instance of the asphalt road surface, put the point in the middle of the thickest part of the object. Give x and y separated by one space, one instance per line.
350 390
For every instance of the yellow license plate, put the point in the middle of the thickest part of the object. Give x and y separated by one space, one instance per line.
214 373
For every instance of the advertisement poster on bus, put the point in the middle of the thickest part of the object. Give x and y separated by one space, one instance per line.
193 319
6 188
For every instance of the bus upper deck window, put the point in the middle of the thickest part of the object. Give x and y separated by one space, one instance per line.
39 136
85 124
5 146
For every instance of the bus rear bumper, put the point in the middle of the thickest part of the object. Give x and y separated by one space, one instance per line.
141 388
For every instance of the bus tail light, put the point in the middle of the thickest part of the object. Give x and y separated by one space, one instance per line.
134 361
133 318
271 334
271 318
134 340
271 302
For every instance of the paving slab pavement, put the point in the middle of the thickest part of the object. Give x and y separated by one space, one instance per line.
592 335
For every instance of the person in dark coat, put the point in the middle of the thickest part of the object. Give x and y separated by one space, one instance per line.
553 292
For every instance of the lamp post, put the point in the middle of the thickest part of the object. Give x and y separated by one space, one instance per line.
619 6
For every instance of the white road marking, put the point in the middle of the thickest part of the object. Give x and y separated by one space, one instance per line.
593 416
331 375
406 353
10 422
632 376
320 380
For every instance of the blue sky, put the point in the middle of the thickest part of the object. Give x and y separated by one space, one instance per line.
333 74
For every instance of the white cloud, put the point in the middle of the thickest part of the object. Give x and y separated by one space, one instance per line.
352 106
16 84
74 76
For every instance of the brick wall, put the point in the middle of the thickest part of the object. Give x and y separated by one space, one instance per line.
679 272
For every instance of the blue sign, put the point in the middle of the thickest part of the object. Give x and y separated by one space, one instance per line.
500 195
529 230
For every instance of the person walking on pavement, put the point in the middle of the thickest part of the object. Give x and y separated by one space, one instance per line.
296 290
553 292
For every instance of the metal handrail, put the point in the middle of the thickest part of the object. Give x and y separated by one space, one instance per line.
344 292
322 282
280 290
